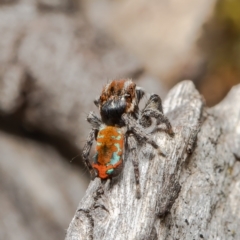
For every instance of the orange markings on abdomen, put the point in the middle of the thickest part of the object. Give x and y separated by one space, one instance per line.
107 140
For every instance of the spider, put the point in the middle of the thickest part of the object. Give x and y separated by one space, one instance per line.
121 124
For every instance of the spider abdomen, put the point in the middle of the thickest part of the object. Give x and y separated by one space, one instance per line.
109 150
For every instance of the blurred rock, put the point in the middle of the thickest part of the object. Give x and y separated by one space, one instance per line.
7 1
13 22
162 34
11 85
64 5
39 191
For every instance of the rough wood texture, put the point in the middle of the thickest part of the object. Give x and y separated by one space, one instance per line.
192 193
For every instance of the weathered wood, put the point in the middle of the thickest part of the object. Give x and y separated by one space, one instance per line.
189 194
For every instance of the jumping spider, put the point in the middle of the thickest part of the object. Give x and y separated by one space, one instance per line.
121 124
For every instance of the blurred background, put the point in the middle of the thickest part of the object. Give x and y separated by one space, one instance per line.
55 57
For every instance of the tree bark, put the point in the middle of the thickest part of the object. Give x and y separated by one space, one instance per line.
191 193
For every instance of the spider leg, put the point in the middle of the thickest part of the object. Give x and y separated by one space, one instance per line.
132 144
94 120
96 123
138 131
146 120
86 152
153 109
160 119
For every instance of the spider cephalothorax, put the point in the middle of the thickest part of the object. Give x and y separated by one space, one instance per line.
118 97
121 124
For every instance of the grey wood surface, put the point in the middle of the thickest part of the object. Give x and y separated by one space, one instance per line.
192 193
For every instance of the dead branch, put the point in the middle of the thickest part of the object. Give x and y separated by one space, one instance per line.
192 193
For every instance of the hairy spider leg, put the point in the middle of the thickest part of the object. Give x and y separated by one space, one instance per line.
137 130
153 109
160 119
86 151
